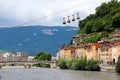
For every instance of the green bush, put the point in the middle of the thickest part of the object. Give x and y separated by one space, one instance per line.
62 64
42 65
93 65
74 64
118 67
82 63
68 64
79 64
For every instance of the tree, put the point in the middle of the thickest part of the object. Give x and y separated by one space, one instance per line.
93 65
62 64
116 20
118 66
48 57
119 57
106 18
43 56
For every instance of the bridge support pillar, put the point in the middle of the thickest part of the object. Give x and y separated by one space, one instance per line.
0 66
28 66
52 65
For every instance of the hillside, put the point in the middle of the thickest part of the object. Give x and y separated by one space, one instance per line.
33 39
106 18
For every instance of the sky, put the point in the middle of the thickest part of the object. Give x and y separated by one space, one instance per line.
44 12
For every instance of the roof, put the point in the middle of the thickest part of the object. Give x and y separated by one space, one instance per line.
79 35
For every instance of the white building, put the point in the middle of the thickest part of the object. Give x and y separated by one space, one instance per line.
8 56
31 58
1 56
22 56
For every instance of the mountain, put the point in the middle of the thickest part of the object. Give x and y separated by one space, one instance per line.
32 39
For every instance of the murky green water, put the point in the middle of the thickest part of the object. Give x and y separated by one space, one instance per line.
20 73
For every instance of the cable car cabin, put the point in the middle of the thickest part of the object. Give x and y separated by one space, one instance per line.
64 22
73 19
78 17
68 19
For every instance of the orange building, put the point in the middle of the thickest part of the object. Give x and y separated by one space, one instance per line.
95 50
89 50
117 51
105 52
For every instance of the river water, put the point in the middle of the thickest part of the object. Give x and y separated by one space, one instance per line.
20 73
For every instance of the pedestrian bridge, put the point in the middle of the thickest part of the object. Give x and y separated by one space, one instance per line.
27 64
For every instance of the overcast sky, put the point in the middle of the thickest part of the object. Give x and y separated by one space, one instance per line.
44 12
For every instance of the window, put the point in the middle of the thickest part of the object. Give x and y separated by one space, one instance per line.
106 54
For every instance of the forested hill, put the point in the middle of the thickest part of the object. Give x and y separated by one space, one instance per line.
106 18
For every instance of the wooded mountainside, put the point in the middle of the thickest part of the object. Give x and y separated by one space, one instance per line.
106 18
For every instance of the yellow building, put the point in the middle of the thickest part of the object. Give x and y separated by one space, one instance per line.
88 51
69 51
80 51
60 54
66 52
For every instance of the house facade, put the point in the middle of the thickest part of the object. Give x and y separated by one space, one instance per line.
78 38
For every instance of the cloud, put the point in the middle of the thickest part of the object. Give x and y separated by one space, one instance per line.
47 31
44 12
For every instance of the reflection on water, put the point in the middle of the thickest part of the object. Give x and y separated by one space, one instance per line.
20 73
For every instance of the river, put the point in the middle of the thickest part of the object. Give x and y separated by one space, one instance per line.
20 73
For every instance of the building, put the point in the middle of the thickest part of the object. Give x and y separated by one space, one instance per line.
15 57
115 52
8 56
66 52
31 58
1 56
118 50
60 53
116 35
105 52
80 51
78 38
88 50
22 56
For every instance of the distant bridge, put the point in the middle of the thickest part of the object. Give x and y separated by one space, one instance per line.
27 64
